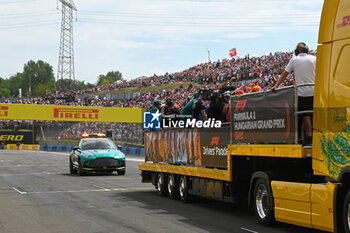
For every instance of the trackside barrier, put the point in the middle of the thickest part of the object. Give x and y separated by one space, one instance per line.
56 148
125 150
23 147
133 151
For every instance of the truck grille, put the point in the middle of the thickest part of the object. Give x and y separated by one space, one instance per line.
104 162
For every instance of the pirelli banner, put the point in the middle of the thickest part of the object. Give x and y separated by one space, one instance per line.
69 113
264 118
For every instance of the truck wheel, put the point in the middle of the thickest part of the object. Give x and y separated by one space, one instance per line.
183 189
263 202
172 187
161 186
346 212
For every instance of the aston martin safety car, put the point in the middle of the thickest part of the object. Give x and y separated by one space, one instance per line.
96 153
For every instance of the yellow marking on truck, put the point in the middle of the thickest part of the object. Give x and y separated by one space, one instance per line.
280 151
188 171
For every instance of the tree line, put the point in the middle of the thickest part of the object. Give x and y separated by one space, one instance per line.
37 79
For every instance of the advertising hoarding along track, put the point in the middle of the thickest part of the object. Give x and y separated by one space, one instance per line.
70 113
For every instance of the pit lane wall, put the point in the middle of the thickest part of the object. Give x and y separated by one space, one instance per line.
70 113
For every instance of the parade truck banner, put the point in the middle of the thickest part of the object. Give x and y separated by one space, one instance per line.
264 117
70 113
13 137
203 147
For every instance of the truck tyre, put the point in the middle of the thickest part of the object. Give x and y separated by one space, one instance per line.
173 189
346 212
183 189
161 185
263 202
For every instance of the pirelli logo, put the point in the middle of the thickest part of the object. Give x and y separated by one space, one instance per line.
76 114
4 111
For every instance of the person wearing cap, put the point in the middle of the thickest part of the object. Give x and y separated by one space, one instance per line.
156 106
303 65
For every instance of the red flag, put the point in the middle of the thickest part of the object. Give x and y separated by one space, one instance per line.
233 52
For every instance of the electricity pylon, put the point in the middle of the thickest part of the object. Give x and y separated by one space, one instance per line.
66 56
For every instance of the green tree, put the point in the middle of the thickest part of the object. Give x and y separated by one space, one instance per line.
14 83
110 77
4 92
42 89
35 73
69 84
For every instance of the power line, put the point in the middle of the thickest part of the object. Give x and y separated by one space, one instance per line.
192 24
26 15
146 15
30 25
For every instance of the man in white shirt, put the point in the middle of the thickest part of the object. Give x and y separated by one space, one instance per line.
303 66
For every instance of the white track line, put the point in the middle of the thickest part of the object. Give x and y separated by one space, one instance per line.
88 190
245 229
100 187
20 192
27 174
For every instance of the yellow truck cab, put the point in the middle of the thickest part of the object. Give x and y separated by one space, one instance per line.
279 179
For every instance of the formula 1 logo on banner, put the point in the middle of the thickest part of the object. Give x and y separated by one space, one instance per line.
3 111
77 114
151 120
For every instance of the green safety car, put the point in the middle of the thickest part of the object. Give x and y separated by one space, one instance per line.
96 153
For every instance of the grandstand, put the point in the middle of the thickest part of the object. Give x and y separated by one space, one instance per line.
247 73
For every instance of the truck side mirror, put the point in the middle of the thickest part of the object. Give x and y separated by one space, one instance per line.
119 147
75 148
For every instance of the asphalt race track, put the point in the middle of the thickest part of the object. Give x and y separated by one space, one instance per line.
37 194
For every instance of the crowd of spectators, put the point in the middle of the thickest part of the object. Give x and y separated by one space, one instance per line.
246 74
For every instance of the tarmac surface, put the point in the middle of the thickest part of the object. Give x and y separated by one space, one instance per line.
38 195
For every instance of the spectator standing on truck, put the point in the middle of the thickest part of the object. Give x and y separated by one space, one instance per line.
169 110
187 110
198 108
156 106
303 65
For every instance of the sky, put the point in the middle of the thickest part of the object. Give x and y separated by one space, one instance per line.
146 37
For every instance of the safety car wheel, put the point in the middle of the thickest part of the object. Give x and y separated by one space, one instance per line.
121 173
72 170
80 169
